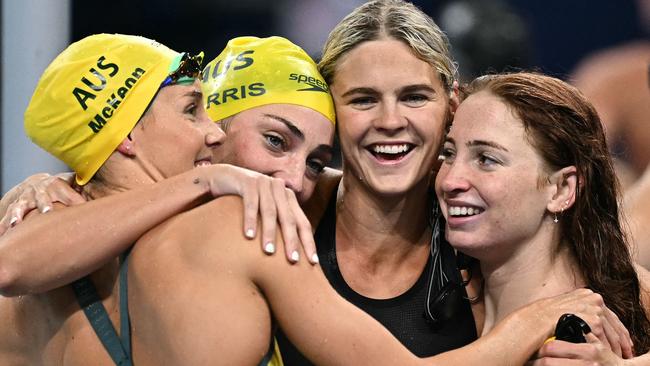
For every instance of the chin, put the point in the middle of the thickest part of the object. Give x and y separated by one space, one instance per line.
467 243
393 186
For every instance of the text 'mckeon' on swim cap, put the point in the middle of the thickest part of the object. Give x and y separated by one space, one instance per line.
251 72
92 95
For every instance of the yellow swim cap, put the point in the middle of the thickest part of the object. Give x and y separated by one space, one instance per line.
251 72
92 95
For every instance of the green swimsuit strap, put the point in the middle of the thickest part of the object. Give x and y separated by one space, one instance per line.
119 348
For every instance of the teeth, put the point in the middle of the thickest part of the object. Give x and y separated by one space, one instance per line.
463 211
390 149
202 163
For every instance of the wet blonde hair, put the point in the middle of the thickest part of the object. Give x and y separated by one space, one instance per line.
395 19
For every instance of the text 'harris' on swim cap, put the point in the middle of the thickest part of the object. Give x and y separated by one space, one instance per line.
251 72
92 95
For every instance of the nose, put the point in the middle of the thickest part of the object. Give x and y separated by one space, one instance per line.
293 176
390 118
214 135
453 178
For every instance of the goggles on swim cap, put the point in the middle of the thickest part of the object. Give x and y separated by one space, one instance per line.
184 69
92 95
252 72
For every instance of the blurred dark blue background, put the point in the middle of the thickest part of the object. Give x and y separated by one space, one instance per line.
551 35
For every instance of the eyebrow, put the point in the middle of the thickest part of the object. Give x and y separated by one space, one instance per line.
323 149
294 130
193 94
486 143
418 87
473 143
361 90
406 89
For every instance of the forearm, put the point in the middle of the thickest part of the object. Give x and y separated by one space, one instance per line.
53 249
512 342
328 329
643 360
8 198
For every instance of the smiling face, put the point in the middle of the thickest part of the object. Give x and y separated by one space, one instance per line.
492 184
391 109
285 141
176 134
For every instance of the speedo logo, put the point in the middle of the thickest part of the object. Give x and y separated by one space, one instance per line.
315 84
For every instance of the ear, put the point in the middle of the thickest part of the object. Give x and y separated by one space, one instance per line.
454 98
126 147
564 183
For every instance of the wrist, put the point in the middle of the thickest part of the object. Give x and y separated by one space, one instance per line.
533 323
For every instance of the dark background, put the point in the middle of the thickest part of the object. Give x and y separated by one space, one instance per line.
551 35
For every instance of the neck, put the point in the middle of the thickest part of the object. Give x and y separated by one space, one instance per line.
538 271
382 243
384 229
118 174
123 174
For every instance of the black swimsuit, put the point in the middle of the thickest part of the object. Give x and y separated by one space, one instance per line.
403 315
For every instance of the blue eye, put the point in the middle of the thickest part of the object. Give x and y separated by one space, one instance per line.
363 102
276 142
415 100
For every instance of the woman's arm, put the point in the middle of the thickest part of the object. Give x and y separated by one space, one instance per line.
591 353
53 249
29 195
325 327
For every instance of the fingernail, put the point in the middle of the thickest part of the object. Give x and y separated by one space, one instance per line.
269 248
314 258
13 221
46 209
295 256
250 234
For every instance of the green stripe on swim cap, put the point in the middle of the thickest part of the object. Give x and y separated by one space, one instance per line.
92 94
184 69
251 72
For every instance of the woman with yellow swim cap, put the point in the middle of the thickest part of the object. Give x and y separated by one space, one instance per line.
125 112
291 142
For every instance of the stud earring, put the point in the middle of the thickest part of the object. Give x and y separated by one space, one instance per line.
564 206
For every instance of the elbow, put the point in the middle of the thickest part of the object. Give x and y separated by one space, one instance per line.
8 282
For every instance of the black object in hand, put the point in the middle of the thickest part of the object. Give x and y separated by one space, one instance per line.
571 328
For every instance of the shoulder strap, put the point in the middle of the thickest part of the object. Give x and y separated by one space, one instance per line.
90 302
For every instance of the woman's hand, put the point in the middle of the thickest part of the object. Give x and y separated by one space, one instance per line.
594 352
589 306
273 201
261 194
39 191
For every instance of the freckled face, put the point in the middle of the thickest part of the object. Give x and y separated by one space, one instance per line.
489 185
